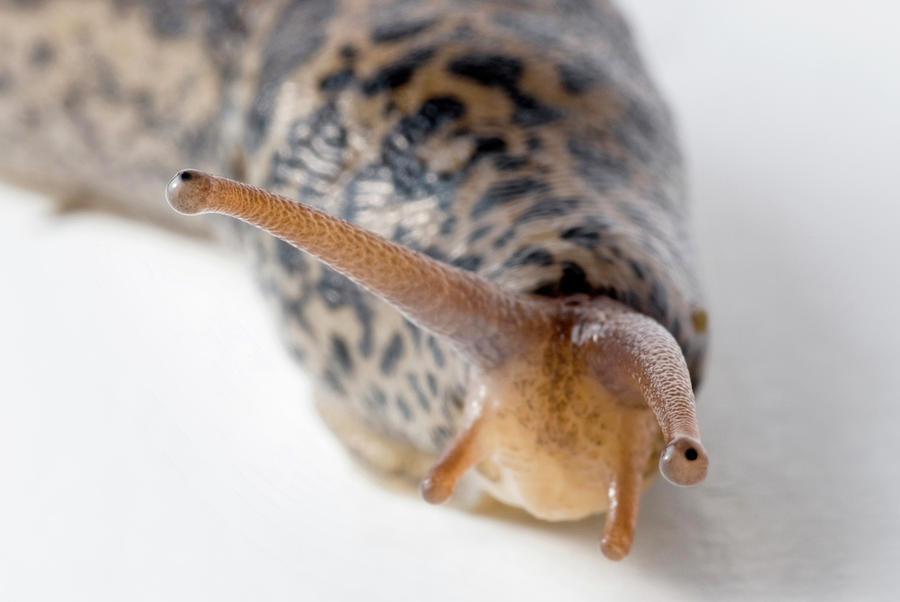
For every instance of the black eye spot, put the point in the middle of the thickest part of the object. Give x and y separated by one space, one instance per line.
691 454
185 176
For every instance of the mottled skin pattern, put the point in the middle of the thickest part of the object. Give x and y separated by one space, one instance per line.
522 140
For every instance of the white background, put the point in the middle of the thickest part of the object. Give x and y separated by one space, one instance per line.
156 443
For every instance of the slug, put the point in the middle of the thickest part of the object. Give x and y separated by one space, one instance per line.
468 216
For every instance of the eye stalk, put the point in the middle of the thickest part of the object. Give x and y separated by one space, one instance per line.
482 320
684 461
187 192
635 352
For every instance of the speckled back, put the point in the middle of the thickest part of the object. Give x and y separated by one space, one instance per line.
521 140
523 143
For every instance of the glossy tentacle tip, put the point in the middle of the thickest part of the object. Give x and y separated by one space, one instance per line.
616 546
187 192
436 490
684 461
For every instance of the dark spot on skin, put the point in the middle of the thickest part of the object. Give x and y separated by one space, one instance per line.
431 379
456 400
399 149
438 110
73 98
529 255
186 175
589 234
464 32
390 357
340 353
226 28
400 234
337 81
676 328
297 352
398 73
420 394
440 435
480 233
495 147
435 252
337 291
73 102
579 75
403 407
534 143
468 262
400 30
348 52
289 257
572 281
504 72
632 299
504 238
548 207
530 112
488 69
600 169
489 145
504 192
375 398
143 102
414 332
448 225
168 17
436 352
334 383
659 303
638 268
691 454
107 79
294 309
42 54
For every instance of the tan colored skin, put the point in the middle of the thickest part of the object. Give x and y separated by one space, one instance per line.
550 375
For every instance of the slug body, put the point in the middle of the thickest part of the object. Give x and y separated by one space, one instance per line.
511 287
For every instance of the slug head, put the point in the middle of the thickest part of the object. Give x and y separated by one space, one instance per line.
569 401
563 426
